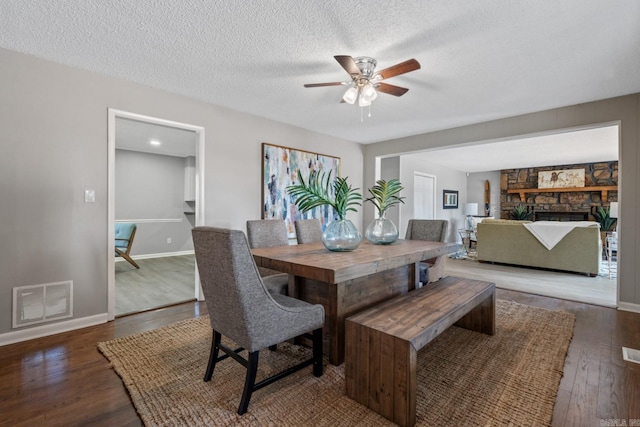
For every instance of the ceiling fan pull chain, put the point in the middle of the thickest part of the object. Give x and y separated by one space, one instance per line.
369 110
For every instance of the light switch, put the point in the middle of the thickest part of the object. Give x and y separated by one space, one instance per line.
89 196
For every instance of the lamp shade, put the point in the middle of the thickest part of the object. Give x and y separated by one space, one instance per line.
350 95
613 210
471 209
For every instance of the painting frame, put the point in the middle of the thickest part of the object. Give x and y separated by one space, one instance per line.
280 167
563 178
449 199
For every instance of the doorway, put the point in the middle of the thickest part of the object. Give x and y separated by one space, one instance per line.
424 196
155 181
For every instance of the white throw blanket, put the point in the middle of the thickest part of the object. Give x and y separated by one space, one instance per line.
549 233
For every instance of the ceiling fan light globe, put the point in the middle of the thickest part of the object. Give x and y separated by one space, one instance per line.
364 102
350 95
369 92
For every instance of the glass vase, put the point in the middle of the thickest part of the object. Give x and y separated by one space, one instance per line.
341 236
381 231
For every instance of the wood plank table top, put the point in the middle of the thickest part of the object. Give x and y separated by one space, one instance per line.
314 261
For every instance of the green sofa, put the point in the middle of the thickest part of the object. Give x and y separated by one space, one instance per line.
509 242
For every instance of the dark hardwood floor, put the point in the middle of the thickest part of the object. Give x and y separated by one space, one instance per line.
63 380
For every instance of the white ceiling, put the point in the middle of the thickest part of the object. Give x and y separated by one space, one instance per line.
135 135
481 60
566 148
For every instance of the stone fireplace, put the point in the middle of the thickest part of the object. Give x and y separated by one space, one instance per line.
518 187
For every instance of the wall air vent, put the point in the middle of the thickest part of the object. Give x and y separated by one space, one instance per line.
631 355
42 303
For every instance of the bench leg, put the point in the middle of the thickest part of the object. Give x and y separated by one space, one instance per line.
380 373
405 384
482 318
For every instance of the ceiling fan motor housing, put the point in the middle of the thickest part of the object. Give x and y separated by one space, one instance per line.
366 65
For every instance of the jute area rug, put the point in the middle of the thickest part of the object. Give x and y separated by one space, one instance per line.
465 378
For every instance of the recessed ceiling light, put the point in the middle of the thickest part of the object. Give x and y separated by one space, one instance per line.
154 142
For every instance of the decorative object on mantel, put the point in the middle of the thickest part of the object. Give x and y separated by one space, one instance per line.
566 178
384 195
340 235
449 199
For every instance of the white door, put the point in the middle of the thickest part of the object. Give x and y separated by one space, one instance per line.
424 196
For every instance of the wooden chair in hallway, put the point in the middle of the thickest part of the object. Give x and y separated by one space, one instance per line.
125 232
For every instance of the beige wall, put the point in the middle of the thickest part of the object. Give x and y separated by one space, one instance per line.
53 145
623 110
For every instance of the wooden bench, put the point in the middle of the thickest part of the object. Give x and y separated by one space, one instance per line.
382 342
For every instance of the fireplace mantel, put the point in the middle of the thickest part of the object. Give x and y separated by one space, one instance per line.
603 189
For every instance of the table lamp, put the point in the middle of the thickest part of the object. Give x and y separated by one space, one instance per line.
613 213
470 209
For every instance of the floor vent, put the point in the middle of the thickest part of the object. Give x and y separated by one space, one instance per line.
631 355
42 303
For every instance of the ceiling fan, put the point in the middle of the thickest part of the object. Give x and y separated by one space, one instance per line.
365 83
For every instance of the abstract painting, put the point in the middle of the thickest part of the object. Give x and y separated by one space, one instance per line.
280 166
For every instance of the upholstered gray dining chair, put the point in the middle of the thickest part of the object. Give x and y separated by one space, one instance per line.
265 233
308 230
434 230
241 308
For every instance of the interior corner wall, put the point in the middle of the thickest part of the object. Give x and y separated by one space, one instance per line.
624 110
475 189
446 179
53 146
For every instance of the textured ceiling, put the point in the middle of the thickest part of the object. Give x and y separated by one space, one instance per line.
481 60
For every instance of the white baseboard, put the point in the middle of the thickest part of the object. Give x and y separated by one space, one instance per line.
627 306
160 255
52 329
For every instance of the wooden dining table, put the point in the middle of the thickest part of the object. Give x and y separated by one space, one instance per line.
346 283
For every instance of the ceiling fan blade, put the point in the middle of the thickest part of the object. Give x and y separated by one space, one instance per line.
391 89
324 84
396 70
348 64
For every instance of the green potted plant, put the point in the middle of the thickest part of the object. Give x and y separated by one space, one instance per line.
602 217
340 234
521 213
384 195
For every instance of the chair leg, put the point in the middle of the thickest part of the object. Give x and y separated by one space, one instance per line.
252 370
213 355
127 258
317 352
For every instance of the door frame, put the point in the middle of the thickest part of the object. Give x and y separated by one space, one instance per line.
111 160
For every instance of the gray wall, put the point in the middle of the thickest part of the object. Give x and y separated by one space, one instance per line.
53 144
446 179
151 187
624 110
390 169
475 190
